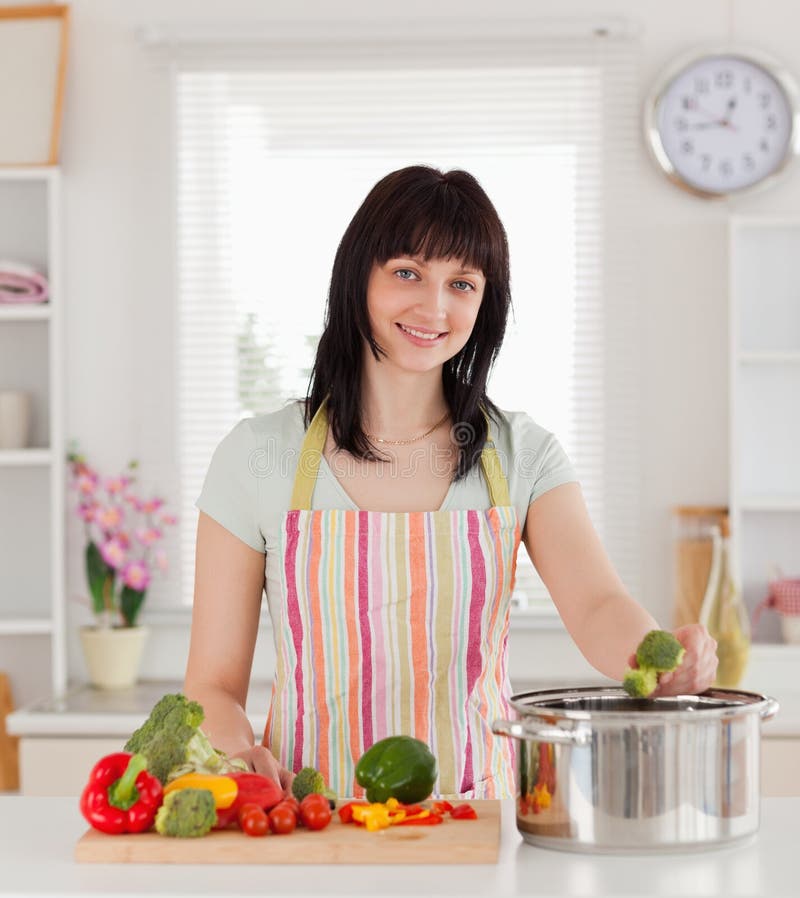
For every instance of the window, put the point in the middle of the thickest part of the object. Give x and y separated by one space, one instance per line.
276 149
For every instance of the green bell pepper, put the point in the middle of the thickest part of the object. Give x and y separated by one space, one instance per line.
398 767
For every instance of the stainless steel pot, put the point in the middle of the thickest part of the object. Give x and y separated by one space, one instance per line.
600 771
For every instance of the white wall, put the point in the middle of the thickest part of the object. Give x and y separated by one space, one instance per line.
118 257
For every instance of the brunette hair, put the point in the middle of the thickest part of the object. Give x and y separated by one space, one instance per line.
418 210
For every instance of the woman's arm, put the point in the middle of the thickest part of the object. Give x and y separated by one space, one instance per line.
606 623
229 581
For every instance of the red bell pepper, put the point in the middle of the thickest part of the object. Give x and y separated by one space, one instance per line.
121 796
253 788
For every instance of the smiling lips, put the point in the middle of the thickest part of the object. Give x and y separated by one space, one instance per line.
427 336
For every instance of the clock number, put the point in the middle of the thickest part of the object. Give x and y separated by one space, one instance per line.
687 146
772 121
763 145
705 161
681 124
724 79
749 162
726 168
748 84
764 99
688 103
701 85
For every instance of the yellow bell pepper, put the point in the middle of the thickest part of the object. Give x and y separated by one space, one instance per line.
223 788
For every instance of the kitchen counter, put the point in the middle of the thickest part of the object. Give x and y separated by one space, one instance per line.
38 836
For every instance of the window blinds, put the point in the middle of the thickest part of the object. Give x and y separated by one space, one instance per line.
278 142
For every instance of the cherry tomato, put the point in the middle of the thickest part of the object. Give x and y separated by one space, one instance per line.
282 819
253 821
292 802
315 811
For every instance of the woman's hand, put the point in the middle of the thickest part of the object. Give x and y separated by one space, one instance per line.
699 666
262 761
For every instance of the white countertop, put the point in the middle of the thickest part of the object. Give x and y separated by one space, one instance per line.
38 836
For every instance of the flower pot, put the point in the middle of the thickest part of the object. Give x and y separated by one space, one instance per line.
113 655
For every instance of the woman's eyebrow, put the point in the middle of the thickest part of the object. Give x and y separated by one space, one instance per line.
419 260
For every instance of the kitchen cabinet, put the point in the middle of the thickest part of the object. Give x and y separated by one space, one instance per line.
764 424
32 608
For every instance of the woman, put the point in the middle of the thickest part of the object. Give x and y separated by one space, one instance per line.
390 506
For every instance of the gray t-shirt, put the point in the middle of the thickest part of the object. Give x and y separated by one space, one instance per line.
249 482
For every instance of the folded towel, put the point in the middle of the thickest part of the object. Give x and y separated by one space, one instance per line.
22 283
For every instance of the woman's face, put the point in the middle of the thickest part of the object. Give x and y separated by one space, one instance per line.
439 300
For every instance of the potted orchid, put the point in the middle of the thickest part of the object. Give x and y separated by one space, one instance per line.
123 531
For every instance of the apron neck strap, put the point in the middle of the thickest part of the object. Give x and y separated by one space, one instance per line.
314 443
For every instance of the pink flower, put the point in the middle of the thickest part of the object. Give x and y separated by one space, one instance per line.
161 560
134 501
152 505
113 553
87 511
109 517
148 535
136 575
87 484
116 485
168 519
124 538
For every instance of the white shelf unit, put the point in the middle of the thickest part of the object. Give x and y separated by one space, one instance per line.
32 480
764 380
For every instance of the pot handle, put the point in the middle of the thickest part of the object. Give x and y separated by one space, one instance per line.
532 729
770 709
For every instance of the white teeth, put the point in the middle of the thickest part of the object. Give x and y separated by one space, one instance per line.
419 334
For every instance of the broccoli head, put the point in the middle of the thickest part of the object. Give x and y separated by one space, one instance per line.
657 653
308 782
640 682
187 813
659 650
174 744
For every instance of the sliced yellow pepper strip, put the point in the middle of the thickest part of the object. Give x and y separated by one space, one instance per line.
374 816
223 788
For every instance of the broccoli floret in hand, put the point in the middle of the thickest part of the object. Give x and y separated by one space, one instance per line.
174 744
640 682
187 813
659 652
310 782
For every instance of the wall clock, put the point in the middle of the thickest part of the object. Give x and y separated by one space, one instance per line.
722 122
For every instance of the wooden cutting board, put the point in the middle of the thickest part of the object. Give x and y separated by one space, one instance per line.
451 842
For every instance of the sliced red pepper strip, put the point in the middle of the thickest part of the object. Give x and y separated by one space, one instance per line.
431 820
346 810
464 812
442 807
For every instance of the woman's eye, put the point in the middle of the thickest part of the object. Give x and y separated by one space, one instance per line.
466 284
401 270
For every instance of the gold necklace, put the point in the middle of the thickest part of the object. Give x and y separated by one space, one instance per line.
413 439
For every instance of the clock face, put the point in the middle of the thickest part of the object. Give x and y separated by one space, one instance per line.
724 123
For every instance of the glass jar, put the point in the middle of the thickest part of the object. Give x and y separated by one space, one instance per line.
723 612
692 530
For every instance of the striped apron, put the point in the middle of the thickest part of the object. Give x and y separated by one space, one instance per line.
394 623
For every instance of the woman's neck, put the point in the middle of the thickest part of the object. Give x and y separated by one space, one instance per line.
401 404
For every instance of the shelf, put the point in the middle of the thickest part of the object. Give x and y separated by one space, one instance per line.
769 357
21 626
25 457
25 312
29 173
770 503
